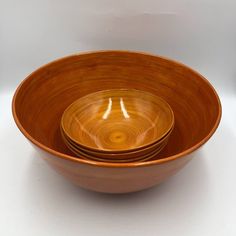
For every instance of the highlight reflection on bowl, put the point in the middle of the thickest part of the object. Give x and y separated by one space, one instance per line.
117 120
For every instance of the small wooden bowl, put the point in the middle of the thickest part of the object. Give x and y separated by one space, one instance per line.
117 121
140 155
87 156
42 97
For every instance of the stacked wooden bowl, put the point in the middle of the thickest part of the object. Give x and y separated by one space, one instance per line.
117 125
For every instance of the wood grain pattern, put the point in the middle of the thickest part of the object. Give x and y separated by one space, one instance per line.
43 96
117 125
117 120
116 158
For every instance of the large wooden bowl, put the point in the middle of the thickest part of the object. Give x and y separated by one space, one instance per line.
42 97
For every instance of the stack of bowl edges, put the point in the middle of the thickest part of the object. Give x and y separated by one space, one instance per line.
117 125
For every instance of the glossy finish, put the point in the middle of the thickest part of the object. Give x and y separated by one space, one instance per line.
117 120
117 125
134 153
138 155
42 97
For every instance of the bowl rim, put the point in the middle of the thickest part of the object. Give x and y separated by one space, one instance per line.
67 157
120 151
146 149
92 157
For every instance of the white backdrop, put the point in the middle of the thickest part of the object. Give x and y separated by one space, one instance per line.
200 200
199 33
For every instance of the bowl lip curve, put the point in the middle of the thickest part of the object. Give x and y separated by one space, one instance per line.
57 154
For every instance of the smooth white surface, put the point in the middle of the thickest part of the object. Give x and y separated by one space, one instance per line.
199 200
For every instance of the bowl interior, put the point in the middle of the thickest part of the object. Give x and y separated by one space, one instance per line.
114 159
116 155
126 156
117 120
42 98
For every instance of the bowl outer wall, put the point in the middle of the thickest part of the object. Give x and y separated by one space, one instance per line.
116 180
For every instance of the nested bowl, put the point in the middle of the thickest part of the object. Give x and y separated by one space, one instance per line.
117 120
132 156
117 124
42 97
